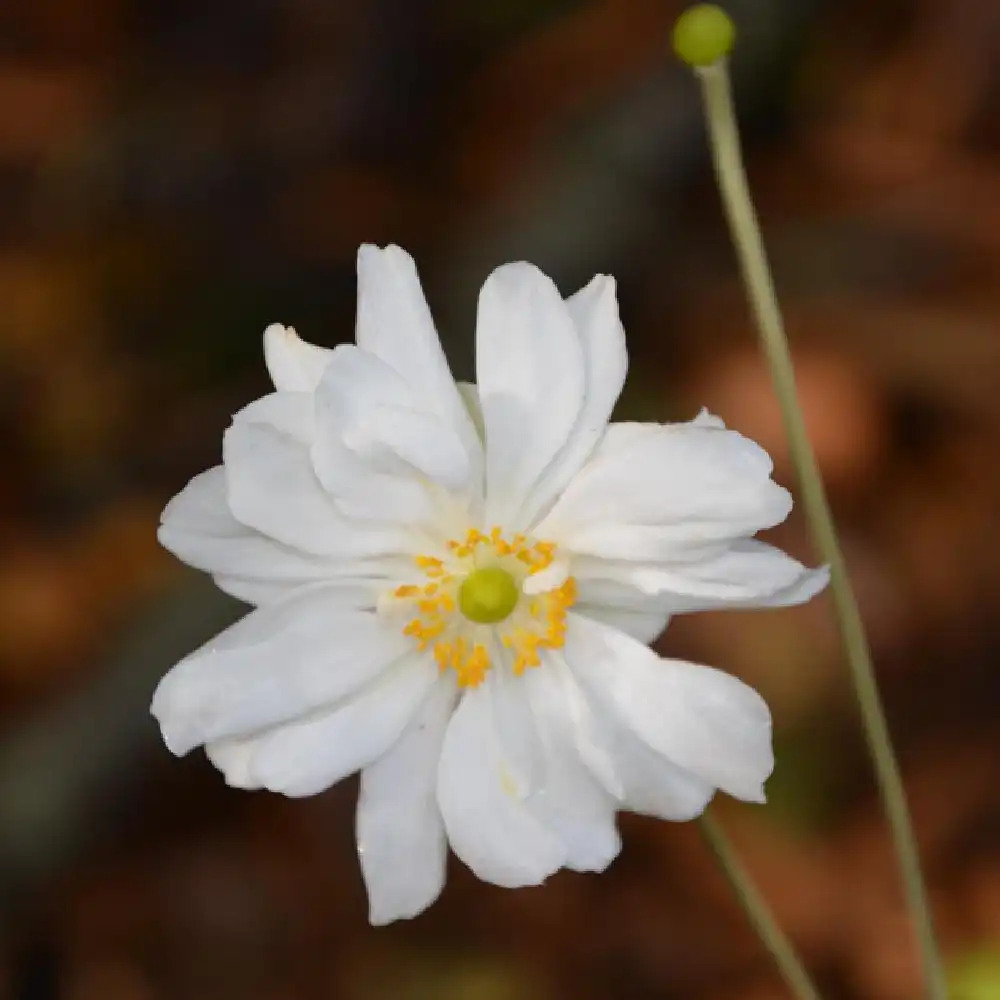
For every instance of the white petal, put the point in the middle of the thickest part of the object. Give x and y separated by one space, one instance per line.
401 838
588 737
678 486
395 325
570 801
198 528
594 310
365 405
529 366
252 590
293 364
361 493
201 508
702 720
291 413
514 723
232 758
357 486
646 626
654 786
622 606
640 779
646 782
489 826
746 573
420 440
278 663
305 758
272 488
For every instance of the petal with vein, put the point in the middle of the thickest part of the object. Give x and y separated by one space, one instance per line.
689 484
293 414
647 782
571 802
365 406
271 487
197 527
401 839
307 757
395 324
622 606
529 367
745 573
489 825
702 720
277 663
594 310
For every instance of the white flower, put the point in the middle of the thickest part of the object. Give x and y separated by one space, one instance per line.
455 586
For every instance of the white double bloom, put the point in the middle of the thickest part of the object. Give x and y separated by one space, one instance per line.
455 586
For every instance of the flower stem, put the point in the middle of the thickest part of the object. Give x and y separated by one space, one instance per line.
745 231
760 917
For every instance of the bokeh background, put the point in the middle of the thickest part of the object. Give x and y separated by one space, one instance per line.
175 175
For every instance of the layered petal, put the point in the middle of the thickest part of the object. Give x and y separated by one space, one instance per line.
273 489
594 311
198 527
395 325
651 784
274 665
292 414
623 606
632 773
304 758
745 573
701 720
401 838
530 375
666 512
652 492
570 801
488 822
367 407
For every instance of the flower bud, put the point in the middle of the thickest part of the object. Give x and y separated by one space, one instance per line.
703 34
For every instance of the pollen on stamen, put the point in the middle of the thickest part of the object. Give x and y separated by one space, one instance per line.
431 565
525 643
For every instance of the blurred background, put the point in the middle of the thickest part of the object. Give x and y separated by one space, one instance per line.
176 175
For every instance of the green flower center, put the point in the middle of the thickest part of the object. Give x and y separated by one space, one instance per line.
488 595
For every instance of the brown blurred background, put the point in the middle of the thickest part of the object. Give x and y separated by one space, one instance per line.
174 175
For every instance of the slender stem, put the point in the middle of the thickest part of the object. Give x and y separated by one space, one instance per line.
746 235
760 917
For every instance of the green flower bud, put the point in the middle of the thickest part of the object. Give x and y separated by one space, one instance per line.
975 976
703 34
